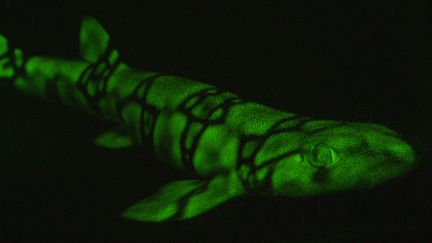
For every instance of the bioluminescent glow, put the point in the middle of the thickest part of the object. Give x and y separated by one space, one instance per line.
235 146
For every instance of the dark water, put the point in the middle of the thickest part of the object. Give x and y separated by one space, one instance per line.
350 60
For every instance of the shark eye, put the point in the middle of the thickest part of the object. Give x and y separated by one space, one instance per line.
322 156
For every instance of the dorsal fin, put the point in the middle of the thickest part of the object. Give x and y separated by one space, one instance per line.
94 39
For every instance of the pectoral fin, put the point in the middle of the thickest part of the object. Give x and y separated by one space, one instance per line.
185 199
114 139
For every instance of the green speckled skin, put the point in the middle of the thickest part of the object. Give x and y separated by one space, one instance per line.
235 146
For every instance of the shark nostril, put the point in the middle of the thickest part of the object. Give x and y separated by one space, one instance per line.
321 175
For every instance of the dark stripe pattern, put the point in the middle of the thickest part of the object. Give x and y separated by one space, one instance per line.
250 181
199 110
94 79
148 113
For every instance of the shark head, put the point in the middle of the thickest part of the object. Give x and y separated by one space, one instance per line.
330 156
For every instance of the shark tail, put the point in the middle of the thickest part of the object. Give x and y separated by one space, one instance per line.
94 46
11 60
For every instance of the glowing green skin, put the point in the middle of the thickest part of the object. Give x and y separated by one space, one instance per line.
236 146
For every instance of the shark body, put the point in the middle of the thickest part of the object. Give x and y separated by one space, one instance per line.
232 147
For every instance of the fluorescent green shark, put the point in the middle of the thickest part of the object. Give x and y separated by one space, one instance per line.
230 146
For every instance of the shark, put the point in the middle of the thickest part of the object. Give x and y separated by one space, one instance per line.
229 146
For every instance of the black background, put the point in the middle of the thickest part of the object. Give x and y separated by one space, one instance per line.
347 60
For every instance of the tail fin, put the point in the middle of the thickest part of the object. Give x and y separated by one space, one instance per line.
11 60
6 70
3 45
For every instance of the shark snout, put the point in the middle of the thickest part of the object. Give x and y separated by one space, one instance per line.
401 150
